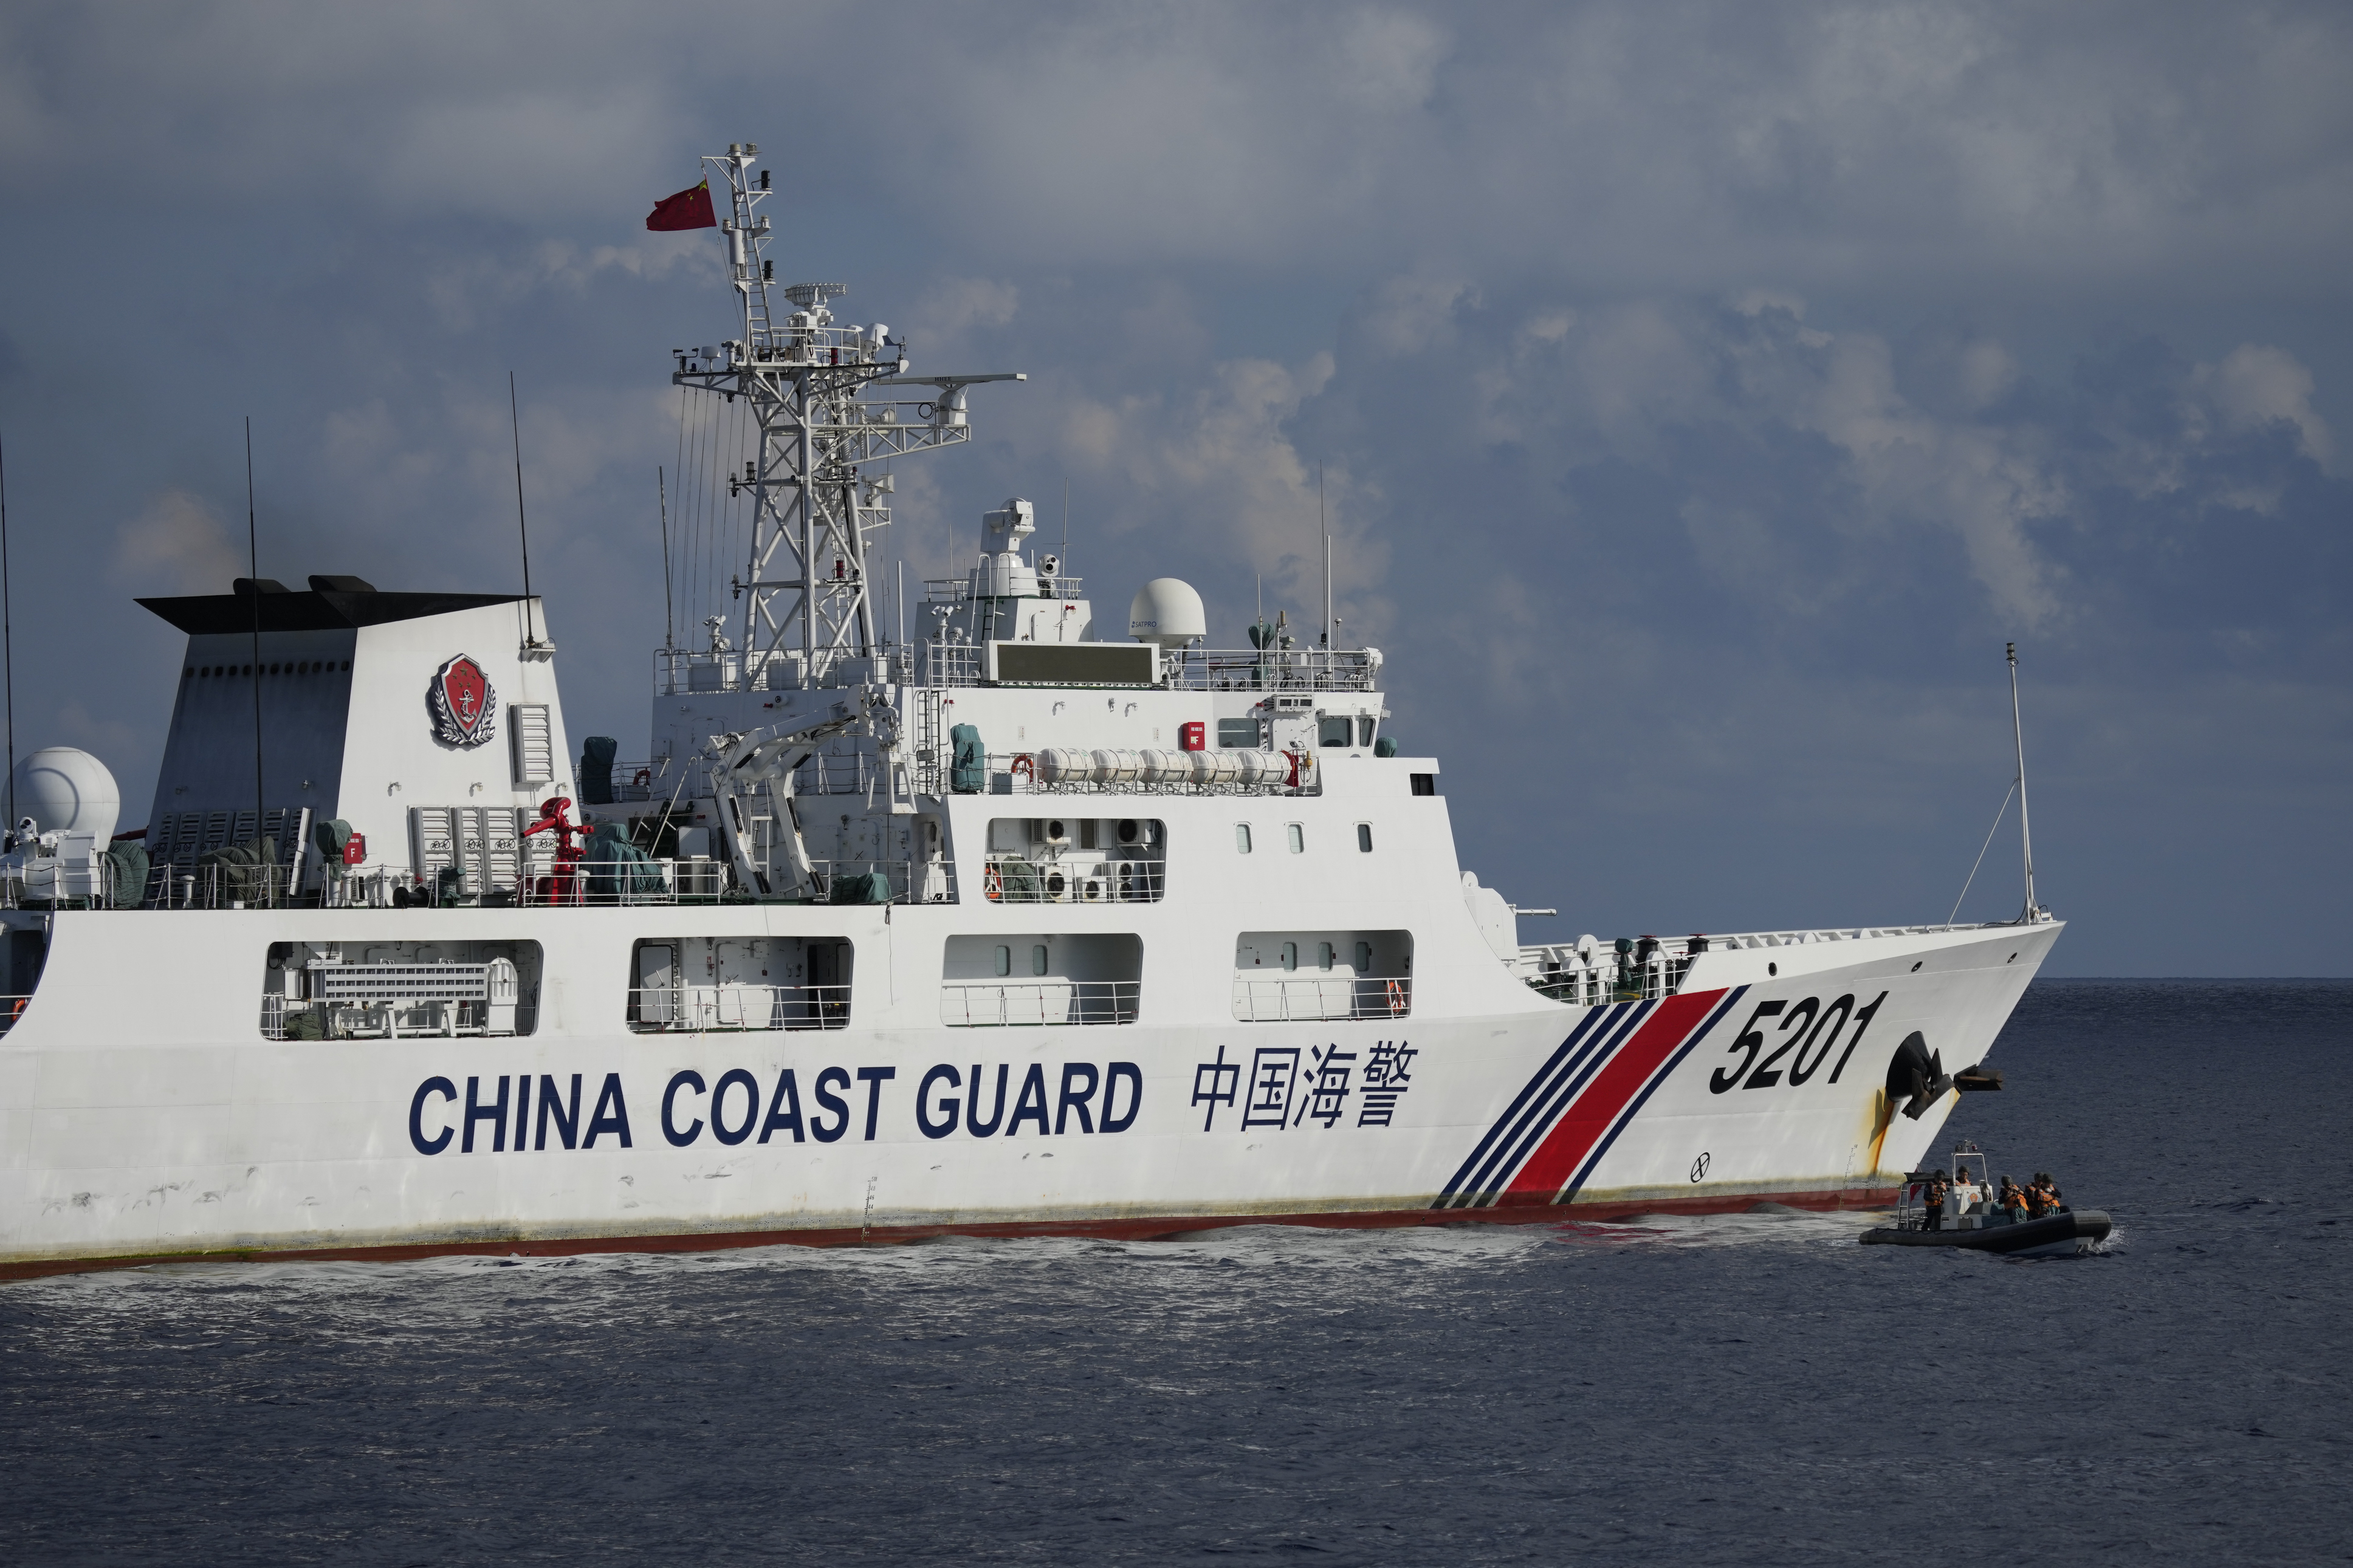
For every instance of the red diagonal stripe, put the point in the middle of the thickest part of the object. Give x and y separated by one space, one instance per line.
1589 1116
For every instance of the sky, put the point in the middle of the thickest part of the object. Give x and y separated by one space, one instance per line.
1700 397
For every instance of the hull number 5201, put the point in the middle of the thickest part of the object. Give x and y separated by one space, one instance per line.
1802 1041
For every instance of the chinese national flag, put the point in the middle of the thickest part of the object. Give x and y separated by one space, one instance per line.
690 208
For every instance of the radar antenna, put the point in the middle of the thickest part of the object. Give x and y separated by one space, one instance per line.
808 613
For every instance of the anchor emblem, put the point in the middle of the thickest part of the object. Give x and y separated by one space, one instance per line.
463 704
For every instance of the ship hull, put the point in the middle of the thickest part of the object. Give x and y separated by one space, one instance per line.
122 1146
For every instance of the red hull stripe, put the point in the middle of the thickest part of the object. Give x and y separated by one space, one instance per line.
1531 1114
1584 1172
1590 1117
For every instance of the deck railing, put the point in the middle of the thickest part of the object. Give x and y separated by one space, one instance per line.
995 1003
678 1009
600 884
1588 976
1011 879
1301 997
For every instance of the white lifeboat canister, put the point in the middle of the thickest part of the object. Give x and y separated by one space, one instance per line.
1056 764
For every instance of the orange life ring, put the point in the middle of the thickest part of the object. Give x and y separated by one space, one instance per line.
1397 1000
645 777
1022 765
992 881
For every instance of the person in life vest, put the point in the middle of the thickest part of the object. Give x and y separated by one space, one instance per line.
1937 1192
2053 1203
2012 1200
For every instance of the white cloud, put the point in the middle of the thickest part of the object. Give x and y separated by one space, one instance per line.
2256 385
178 545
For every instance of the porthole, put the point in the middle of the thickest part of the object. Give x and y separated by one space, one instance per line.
1038 959
1004 959
1772 969
1915 968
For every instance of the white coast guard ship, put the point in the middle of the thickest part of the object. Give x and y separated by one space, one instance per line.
1022 925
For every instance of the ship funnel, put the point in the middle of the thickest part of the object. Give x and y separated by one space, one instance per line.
1169 611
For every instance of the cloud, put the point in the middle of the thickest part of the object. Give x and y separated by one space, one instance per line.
2255 385
177 546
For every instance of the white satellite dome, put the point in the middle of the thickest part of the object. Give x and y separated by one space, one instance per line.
1169 611
67 791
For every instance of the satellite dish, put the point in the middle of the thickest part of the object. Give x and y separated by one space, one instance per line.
1169 611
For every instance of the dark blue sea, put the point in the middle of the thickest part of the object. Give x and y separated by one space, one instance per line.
1753 1389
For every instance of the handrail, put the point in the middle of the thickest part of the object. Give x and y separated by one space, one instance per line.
730 1006
1296 997
1088 876
1001 1004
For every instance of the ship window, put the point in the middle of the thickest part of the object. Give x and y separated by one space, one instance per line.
399 990
1075 978
1334 731
1364 838
1378 984
1004 961
1363 729
1237 734
1298 836
1425 784
1241 837
347 664
702 984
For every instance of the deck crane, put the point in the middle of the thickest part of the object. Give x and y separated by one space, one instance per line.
770 756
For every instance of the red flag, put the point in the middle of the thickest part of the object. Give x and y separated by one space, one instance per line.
690 208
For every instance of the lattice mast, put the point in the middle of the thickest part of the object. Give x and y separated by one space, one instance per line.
808 616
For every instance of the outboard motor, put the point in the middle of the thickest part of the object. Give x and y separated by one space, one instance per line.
1916 1075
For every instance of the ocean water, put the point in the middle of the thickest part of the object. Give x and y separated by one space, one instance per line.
1751 1389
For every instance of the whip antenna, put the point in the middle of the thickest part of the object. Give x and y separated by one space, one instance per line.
2025 827
514 413
253 556
8 647
662 492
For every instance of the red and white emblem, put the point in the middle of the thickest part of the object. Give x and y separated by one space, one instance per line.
463 704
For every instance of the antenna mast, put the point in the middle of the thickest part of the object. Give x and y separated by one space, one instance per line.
808 610
2025 827
7 644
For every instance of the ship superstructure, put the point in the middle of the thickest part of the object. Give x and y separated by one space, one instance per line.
1022 919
